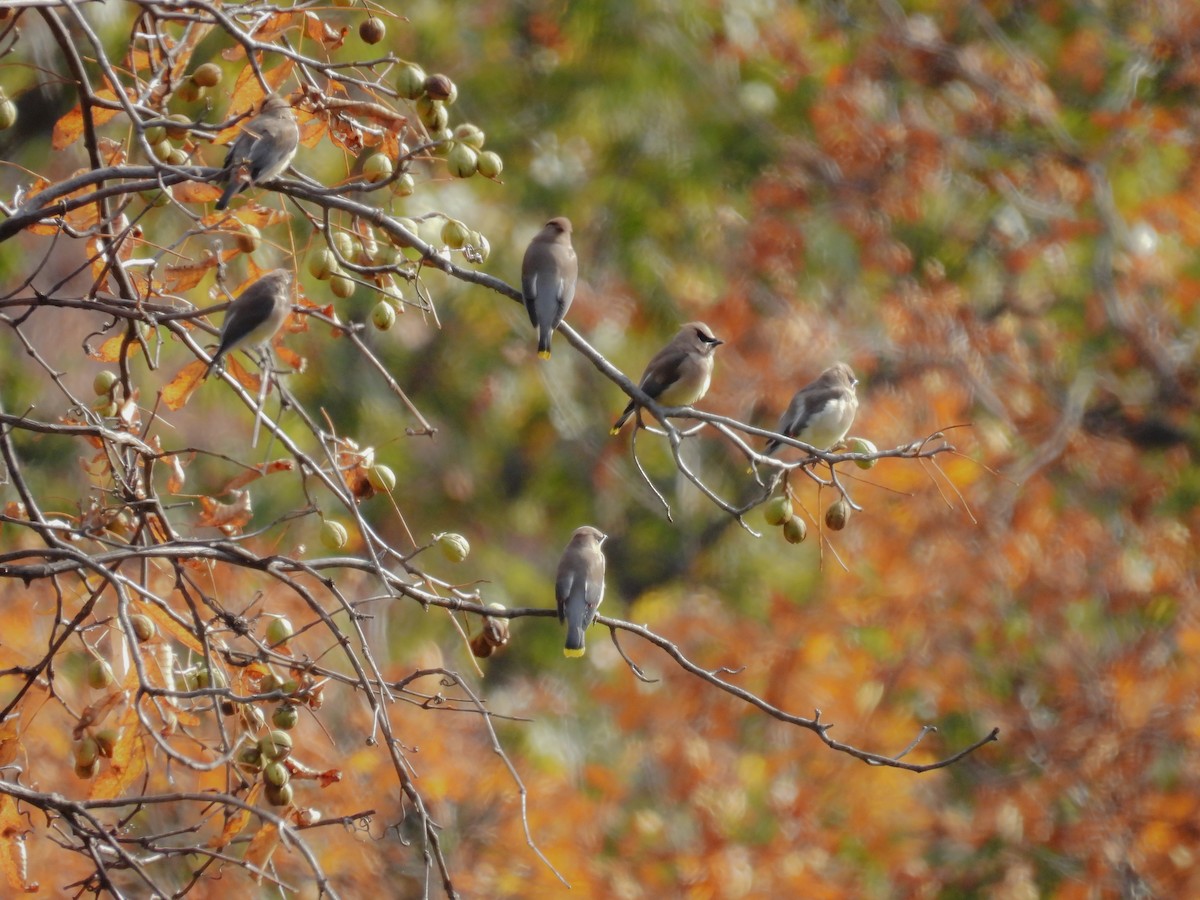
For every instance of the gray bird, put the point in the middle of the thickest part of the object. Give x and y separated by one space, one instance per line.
548 275
822 412
262 151
679 373
254 317
579 585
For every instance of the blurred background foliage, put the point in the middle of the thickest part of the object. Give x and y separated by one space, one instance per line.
988 209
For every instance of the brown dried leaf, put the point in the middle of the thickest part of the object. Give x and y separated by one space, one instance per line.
178 477
274 26
235 820
179 391
112 153
262 846
279 465
318 30
182 278
229 517
128 760
98 712
168 626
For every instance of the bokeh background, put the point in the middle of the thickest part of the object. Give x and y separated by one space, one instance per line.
989 210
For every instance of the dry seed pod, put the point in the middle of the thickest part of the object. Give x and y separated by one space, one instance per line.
837 515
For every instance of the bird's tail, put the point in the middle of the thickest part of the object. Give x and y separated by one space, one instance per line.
544 335
616 429
574 647
214 363
234 186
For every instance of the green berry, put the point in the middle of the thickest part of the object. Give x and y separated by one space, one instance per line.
103 382
489 164
275 746
778 510
462 161
382 478
453 546
410 81
334 535
383 316
279 631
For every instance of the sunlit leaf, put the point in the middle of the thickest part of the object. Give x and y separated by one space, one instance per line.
229 517
236 819
69 128
252 475
178 391
262 847
110 350
248 94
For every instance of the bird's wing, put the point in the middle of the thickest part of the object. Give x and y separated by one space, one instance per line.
563 585
663 370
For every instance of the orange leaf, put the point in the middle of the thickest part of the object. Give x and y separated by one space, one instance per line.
182 278
180 389
248 94
290 358
312 130
9 745
127 763
69 128
279 465
195 192
110 350
317 30
167 625
274 26
262 846
235 820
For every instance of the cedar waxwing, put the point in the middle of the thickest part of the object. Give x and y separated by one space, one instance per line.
263 150
255 316
679 373
548 275
579 586
820 413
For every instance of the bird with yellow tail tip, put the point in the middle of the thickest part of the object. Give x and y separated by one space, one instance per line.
679 374
579 585
548 275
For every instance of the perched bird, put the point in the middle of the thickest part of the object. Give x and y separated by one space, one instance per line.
254 317
820 413
579 585
262 151
679 373
548 275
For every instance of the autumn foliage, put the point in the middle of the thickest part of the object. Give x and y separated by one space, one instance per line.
289 629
